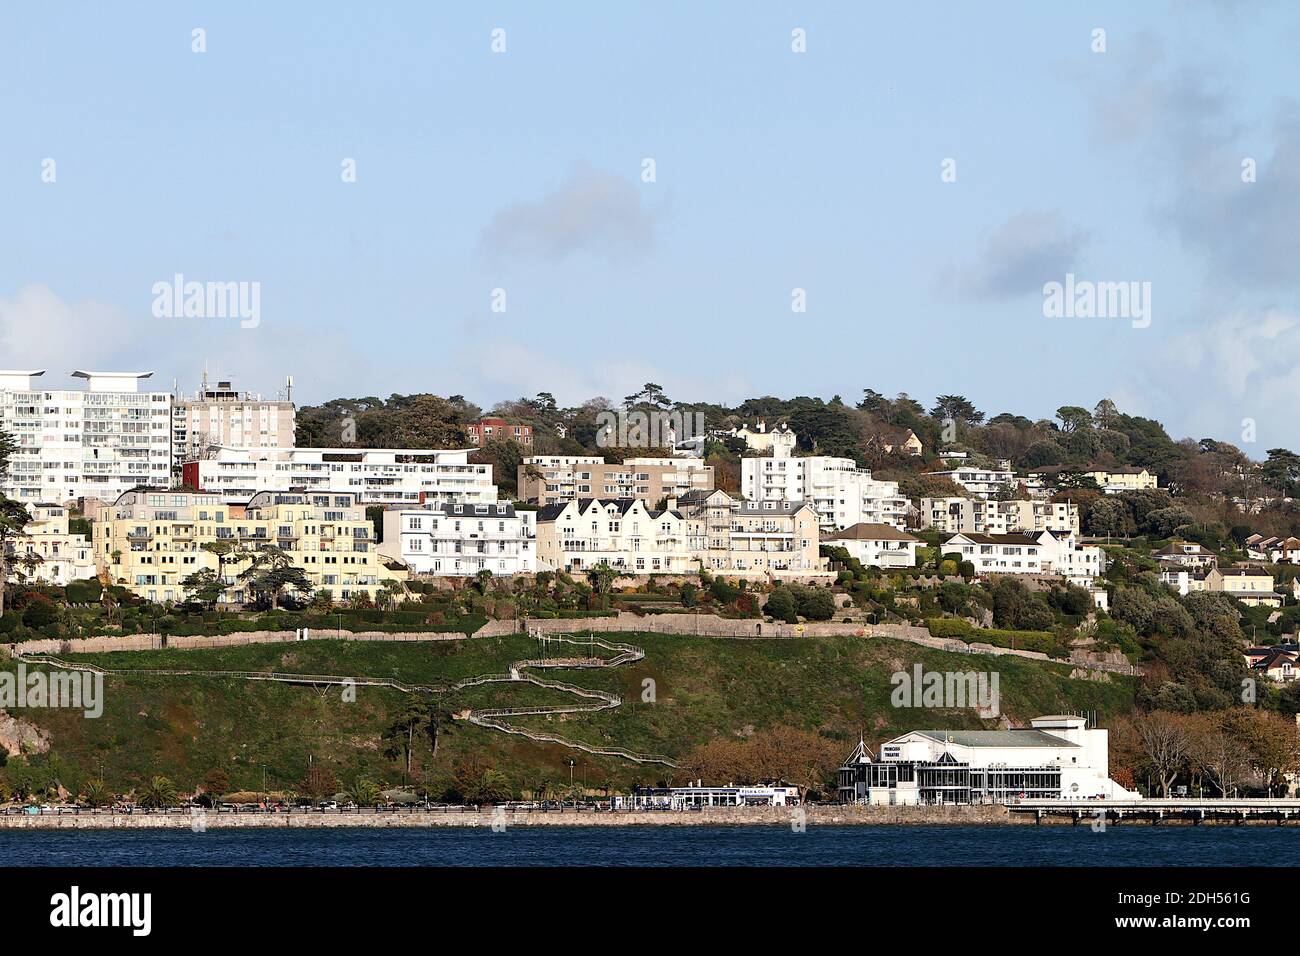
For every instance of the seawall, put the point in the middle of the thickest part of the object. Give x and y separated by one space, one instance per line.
717 816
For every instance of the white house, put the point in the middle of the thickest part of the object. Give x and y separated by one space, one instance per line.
878 545
1057 757
1029 552
462 538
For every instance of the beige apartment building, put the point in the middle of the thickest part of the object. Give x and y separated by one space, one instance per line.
150 541
47 551
703 530
549 480
220 415
978 516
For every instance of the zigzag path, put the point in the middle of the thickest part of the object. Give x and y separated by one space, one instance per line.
491 718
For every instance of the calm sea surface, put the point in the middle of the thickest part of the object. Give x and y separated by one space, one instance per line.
1132 845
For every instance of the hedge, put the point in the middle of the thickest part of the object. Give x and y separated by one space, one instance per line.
955 628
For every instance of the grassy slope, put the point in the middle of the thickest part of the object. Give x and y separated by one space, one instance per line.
186 726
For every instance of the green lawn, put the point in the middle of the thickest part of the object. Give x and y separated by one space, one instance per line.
185 726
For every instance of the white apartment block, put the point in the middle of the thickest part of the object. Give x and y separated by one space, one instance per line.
956 515
99 441
220 415
373 475
461 539
980 482
1028 552
47 551
842 493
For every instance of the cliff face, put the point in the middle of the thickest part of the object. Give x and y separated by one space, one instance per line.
18 736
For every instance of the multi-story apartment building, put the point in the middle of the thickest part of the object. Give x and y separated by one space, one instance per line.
624 533
706 529
493 429
221 415
955 515
842 493
150 541
71 443
550 480
47 551
750 537
374 475
460 539
981 482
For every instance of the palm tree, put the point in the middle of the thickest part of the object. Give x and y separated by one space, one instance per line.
158 792
96 794
482 580
363 792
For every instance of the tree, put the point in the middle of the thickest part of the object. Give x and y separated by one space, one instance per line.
318 783
96 793
227 552
1073 418
13 519
483 580
205 586
1105 414
781 605
157 793
602 578
418 716
1165 743
364 792
216 782
272 573
1217 752
958 408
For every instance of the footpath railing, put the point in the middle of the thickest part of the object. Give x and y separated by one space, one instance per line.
491 718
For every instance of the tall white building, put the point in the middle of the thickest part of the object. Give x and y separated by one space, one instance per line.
842 493
374 475
461 539
220 415
99 441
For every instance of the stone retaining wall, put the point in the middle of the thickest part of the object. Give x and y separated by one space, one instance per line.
704 625
717 816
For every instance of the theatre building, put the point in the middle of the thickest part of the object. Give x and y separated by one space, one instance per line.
1056 757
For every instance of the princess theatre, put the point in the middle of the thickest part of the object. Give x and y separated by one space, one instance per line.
1056 758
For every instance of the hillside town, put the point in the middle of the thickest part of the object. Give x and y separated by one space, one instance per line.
1088 538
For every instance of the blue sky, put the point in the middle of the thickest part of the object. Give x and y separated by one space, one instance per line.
774 170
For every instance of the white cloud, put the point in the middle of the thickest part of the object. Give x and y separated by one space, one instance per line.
592 211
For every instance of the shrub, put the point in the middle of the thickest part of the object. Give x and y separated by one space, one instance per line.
781 605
